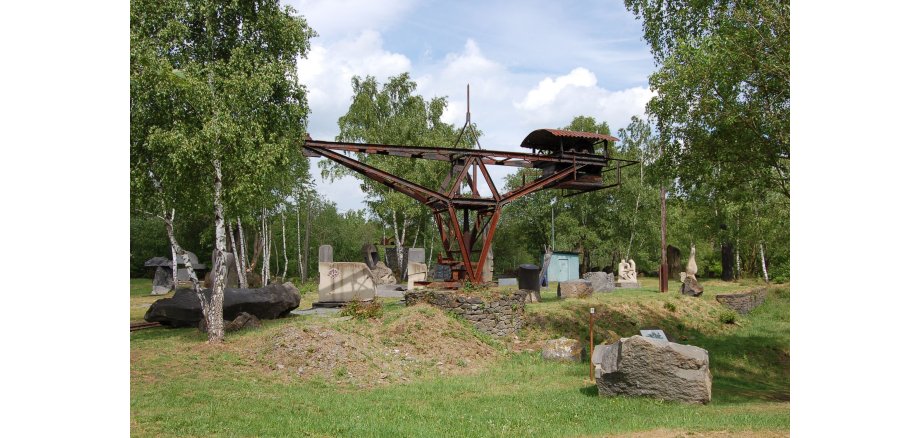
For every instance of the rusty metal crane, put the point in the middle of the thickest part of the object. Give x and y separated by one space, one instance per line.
568 160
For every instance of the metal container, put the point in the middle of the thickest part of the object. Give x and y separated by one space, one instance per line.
529 277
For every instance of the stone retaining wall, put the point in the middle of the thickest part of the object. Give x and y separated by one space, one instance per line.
500 316
743 302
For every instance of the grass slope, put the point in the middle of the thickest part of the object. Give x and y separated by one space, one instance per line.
183 387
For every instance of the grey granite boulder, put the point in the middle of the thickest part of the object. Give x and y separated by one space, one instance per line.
601 281
184 309
640 366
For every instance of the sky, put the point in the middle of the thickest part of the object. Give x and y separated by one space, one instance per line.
529 64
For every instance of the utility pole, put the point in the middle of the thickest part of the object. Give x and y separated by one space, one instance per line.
663 270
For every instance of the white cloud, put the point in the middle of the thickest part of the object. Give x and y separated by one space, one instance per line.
549 88
337 18
327 74
556 101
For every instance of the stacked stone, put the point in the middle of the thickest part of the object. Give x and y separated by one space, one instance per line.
497 317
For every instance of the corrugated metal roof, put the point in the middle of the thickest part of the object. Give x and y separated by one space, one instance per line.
550 139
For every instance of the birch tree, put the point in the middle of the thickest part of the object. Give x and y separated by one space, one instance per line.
216 113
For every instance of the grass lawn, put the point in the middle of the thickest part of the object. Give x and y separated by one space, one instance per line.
182 387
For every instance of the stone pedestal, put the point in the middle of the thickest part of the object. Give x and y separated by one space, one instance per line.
691 287
627 285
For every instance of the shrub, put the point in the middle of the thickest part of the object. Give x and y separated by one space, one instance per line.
362 309
728 317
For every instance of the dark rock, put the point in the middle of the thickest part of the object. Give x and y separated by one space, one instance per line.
691 287
184 308
743 302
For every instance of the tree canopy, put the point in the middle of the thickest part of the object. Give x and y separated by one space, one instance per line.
722 91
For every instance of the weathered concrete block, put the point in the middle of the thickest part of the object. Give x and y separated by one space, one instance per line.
340 282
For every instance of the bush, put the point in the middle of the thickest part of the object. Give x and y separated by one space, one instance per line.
728 317
362 309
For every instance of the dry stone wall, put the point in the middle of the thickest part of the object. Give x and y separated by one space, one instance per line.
743 302
499 316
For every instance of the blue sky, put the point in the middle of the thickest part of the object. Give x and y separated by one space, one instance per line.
530 65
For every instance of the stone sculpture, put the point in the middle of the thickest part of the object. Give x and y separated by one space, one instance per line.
382 274
626 274
690 286
325 254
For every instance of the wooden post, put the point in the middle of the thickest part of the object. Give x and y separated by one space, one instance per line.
591 347
663 271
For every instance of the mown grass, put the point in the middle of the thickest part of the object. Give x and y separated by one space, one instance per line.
182 387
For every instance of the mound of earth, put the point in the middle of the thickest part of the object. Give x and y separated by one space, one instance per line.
418 341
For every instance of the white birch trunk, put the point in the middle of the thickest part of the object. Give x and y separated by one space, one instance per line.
196 286
175 269
244 282
236 255
737 259
299 254
283 249
265 255
763 264
215 314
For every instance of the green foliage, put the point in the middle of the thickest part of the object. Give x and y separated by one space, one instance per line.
215 83
362 309
722 103
728 316
669 306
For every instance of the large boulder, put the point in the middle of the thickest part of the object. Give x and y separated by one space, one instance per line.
640 366
563 349
184 309
601 281
575 289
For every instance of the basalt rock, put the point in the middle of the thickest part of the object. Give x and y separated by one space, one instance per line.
184 308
